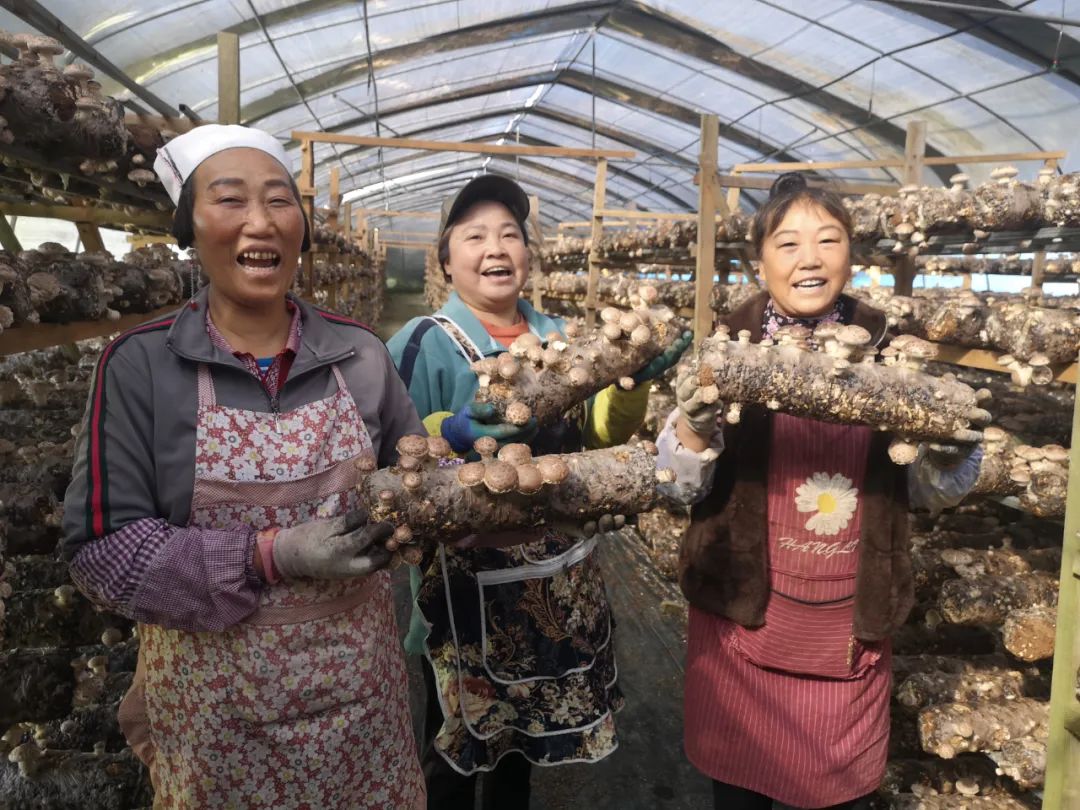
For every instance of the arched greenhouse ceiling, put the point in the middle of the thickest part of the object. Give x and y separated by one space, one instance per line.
789 80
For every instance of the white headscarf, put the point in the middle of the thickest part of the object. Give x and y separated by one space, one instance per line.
180 157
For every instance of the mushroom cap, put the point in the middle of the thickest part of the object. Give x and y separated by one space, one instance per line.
641 335
612 331
79 72
610 314
904 229
438 447
471 474
367 463
412 480
1055 452
959 178
552 469
1027 452
1019 475
921 349
515 454
486 446
578 375
824 331
517 413
1004 172
47 45
409 463
416 446
993 433
529 479
1039 359
500 477
853 335
526 341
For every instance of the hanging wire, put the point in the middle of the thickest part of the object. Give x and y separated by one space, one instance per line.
277 54
373 86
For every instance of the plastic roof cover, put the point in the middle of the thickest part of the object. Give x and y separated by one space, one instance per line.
830 80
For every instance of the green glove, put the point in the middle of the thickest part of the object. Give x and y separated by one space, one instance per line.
658 365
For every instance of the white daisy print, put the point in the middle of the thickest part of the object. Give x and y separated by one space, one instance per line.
832 499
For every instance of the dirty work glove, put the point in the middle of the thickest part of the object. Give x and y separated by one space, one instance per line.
947 456
699 416
340 548
658 365
583 531
478 419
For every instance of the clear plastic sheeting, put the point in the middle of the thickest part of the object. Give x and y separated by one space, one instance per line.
832 80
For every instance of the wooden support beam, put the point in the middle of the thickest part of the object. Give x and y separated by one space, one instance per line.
346 218
1038 269
374 213
228 48
307 194
988 361
736 181
156 220
473 148
734 191
903 272
536 239
599 199
8 240
90 237
893 163
335 198
914 154
706 248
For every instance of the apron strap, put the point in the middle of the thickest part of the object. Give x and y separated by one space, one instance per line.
340 378
465 346
207 399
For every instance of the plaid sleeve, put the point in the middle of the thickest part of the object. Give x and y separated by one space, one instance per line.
181 578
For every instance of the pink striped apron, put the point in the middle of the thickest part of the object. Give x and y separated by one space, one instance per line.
304 704
797 709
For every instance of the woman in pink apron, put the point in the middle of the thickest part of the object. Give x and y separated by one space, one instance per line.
213 501
796 562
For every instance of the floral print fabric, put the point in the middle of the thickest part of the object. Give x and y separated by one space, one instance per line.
289 711
522 653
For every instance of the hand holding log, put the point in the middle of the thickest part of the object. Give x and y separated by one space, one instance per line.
534 381
842 383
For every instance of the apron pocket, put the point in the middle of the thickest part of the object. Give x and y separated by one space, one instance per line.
544 621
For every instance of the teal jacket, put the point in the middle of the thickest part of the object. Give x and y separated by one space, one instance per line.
441 383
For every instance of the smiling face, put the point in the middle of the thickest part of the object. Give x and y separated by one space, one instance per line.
248 226
806 261
489 261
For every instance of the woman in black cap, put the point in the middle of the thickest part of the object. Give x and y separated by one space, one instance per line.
516 628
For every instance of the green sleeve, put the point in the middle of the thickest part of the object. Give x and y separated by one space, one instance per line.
615 416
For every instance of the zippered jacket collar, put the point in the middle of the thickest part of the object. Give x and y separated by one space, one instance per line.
320 344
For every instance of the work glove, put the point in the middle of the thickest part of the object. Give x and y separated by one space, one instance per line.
658 365
947 456
478 419
699 416
340 548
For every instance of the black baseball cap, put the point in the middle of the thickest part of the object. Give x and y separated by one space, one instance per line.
486 187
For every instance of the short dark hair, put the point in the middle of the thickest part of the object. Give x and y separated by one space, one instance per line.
183 223
789 189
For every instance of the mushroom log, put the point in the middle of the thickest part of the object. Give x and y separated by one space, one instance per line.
840 382
429 502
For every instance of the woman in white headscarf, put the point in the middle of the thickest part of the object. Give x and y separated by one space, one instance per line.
213 502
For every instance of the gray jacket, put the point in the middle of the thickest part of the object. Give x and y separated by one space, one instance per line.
135 455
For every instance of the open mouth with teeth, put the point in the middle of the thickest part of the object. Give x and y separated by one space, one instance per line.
809 284
498 272
259 259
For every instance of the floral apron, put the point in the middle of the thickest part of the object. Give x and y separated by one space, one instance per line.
304 704
520 641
